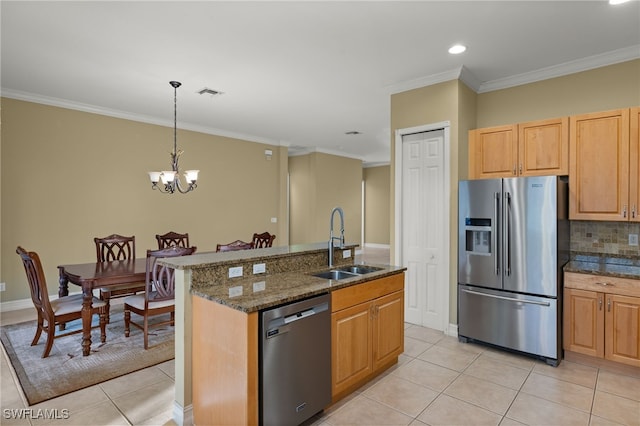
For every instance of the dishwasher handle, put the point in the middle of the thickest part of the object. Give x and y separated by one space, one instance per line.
279 326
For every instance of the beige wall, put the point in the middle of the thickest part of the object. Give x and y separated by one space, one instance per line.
377 191
602 89
75 175
318 183
611 87
451 101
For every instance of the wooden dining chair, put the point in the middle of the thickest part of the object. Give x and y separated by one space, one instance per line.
159 297
263 240
57 311
172 239
236 245
111 248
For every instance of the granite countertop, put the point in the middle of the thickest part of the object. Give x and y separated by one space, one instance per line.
621 267
265 291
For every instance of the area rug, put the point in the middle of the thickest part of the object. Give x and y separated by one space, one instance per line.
65 370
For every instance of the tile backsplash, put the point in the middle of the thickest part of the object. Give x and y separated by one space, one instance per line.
604 237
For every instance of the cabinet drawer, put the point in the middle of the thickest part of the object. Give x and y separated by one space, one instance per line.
600 283
360 293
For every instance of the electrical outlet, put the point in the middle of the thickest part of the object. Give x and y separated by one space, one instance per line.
235 291
274 220
235 272
2 287
259 268
259 286
633 239
346 254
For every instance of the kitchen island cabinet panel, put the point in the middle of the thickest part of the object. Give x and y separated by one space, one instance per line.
352 359
367 332
225 363
388 329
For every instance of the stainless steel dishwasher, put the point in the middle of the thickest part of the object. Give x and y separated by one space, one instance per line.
295 361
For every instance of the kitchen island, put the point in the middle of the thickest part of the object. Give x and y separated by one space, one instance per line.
217 324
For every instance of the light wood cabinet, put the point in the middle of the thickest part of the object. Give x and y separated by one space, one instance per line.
599 166
634 165
602 317
536 148
584 322
367 331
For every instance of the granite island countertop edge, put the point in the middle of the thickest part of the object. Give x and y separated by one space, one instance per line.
261 292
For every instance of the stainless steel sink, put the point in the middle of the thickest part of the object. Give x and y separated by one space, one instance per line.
335 275
359 269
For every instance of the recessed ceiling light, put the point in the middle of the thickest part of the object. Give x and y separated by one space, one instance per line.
615 2
457 48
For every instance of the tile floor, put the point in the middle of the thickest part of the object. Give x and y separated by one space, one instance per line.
438 381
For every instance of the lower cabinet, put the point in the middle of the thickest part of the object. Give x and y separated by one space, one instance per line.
367 331
602 317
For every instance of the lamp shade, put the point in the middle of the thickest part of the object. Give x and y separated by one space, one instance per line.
168 176
191 175
154 176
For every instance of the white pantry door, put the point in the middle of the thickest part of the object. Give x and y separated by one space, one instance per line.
424 207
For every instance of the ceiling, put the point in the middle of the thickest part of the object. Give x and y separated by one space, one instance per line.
296 73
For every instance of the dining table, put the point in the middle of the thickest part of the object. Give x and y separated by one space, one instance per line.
96 275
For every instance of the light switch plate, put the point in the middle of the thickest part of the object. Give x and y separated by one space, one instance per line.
259 268
633 239
2 287
235 272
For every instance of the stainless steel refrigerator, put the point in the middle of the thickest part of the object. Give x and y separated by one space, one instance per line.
513 241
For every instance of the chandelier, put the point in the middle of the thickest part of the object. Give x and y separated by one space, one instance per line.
171 178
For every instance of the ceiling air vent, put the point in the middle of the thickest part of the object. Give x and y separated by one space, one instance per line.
207 91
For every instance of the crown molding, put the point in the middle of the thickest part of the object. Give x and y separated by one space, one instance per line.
78 106
609 58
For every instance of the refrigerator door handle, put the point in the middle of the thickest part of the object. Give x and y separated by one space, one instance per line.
496 238
513 299
507 233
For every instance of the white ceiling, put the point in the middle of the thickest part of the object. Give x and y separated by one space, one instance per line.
295 73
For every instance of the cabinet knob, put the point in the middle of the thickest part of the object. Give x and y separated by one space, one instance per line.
624 211
520 168
600 303
608 304
633 211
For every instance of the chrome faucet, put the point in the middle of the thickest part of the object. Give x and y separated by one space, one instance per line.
331 237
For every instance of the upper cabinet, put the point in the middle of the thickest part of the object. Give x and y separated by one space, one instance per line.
634 165
599 178
536 148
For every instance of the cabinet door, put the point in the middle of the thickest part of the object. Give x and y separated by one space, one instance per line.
599 166
493 152
351 347
584 322
543 147
634 165
388 329
623 329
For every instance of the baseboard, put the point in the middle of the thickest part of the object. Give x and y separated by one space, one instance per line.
182 416
16 305
379 246
452 330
